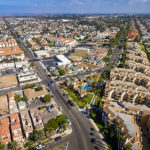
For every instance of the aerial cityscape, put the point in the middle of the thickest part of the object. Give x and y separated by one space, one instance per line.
75 75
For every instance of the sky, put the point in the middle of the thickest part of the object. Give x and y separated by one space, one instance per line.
10 7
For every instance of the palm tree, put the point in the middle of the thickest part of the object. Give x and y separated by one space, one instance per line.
12 145
3 147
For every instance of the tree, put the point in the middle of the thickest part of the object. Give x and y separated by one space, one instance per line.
17 97
39 88
61 119
47 98
24 99
62 72
12 145
37 135
51 125
3 147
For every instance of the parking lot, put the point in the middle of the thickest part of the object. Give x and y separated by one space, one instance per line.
7 72
50 63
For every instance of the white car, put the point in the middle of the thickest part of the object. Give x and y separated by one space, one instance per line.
40 146
60 108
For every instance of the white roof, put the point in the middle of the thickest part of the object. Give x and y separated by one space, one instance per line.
63 59
42 52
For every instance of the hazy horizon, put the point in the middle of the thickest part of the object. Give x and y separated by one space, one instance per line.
17 7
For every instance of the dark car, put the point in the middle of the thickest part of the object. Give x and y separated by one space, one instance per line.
58 138
70 103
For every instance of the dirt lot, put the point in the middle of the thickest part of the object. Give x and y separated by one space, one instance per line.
8 81
94 77
90 66
3 105
77 56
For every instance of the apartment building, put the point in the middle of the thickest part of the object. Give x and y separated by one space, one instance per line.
36 118
26 123
11 52
59 41
123 124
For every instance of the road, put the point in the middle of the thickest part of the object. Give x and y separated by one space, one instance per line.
82 128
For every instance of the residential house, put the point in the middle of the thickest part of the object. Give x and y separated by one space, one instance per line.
16 128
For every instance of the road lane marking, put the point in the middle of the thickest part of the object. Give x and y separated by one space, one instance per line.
74 119
84 141
67 146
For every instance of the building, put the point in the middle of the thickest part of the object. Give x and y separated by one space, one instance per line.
16 128
36 118
112 116
22 64
12 103
11 52
6 66
41 54
62 60
4 131
59 41
26 123
27 76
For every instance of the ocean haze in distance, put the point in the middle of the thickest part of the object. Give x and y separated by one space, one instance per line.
28 7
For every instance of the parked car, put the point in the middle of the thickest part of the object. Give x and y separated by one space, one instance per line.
70 103
58 138
40 146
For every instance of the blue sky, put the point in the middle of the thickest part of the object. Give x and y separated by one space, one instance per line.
73 6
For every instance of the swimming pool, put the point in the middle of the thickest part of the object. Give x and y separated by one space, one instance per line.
86 87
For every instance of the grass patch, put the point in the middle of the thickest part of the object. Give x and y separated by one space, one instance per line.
88 98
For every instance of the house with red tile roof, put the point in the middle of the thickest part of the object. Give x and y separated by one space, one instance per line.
4 131
16 128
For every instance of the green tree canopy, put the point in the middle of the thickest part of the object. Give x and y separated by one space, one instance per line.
47 98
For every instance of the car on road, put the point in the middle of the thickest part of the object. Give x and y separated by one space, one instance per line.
70 103
58 138
68 120
60 108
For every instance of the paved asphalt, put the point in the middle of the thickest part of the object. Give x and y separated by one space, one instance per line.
83 137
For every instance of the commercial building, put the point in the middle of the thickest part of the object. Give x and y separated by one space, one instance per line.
41 54
27 76
62 60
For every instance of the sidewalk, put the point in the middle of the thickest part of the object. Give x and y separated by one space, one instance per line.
100 135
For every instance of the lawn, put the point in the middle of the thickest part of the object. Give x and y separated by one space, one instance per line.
72 95
75 98
88 98
97 100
